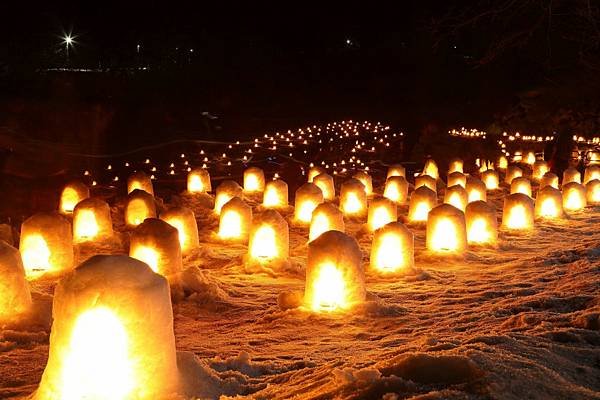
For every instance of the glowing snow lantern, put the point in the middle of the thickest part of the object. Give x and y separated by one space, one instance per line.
502 163
592 172
457 178
308 197
254 180
457 196
198 181
275 194
422 200
46 244
539 169
512 172
366 180
92 220
325 183
549 203
456 165
573 196
335 278
396 189
140 205
571 175
482 226
396 170
518 212
156 243
139 180
592 191
326 217
112 334
381 212
521 185
393 248
226 191
491 179
446 230
269 238
184 220
431 169
426 180
16 297
353 198
235 220
476 189
73 193
530 158
549 179
314 171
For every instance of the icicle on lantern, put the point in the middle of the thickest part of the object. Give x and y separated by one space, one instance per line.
366 180
308 197
326 184
549 203
396 189
573 194
235 221
571 175
381 212
353 199
456 165
393 248
112 334
198 181
427 181
591 173
140 205
457 178
592 192
476 190
92 220
431 169
512 172
520 185
456 196
491 179
46 244
184 220
269 238
254 180
326 217
156 243
275 195
396 170
446 230
335 278
540 168
139 180
16 297
518 212
71 195
314 171
226 191
422 201
549 179
482 226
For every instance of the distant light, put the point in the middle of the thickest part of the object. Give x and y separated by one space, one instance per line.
68 40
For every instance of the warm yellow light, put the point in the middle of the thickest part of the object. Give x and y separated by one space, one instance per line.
421 211
530 158
69 200
264 243
517 218
305 211
230 226
271 197
573 201
148 255
444 236
180 226
35 254
352 205
502 162
318 225
491 180
479 232
549 208
329 289
386 254
195 184
86 226
456 200
137 212
252 182
475 195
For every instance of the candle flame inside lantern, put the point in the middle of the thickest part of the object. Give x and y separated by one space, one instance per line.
264 243
457 201
69 200
517 218
386 257
445 236
306 209
549 209
491 181
147 255
137 212
252 183
195 184
479 232
381 216
421 211
353 205
574 201
392 192
230 226
271 197
86 226
36 254
330 289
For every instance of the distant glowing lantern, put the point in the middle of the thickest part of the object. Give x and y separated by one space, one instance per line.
139 180
540 168
521 185
393 249
518 212
46 244
529 158
457 196
396 189
476 189
549 179
275 195
353 198
574 198
381 212
308 197
396 170
422 200
502 163
325 183
366 180
592 172
184 220
92 220
140 205
314 171
592 191
16 296
326 217
482 226
226 191
512 172
446 230
254 180
431 169
269 238
571 175
457 178
456 165
335 278
549 203
426 180
73 193
112 334
235 221
491 179
156 243
198 181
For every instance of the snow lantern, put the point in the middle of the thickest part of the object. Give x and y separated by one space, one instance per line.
476 189
235 221
275 194
549 203
592 191
457 178
325 183
381 212
156 243
573 194
456 165
335 278
446 230
482 226
422 200
112 334
457 196
592 172
529 158
353 198
549 179
366 180
226 191
140 205
254 180
502 163
326 217
314 171
308 197
512 172
521 185
396 170
72 194
571 175
426 180
92 220
540 167
269 238
139 180
491 179
431 169
393 248
396 189
184 220
16 297
518 212
46 244
198 181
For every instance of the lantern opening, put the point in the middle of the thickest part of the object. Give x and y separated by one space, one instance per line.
69 200
230 226
36 254
329 289
479 231
86 226
444 236
264 243
148 255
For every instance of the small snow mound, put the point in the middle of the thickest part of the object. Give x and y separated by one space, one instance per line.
350 375
201 288
375 306
290 299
